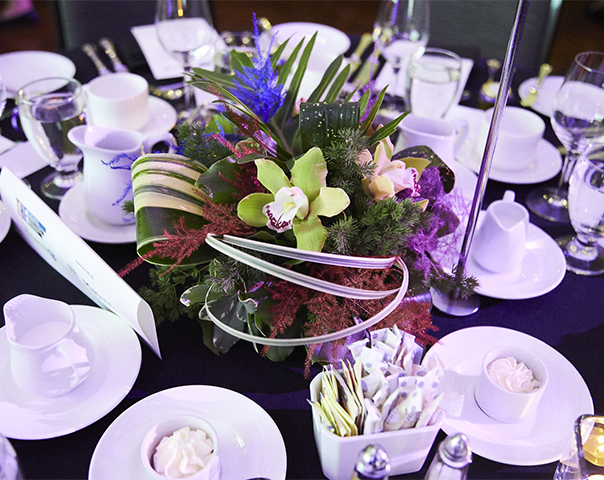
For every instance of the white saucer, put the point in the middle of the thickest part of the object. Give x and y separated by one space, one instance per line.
162 117
541 437
251 443
115 368
72 211
328 38
546 165
20 68
545 99
4 221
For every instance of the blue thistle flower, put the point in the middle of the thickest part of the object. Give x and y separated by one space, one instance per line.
257 86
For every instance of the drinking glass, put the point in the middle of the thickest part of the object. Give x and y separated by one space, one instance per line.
586 208
401 31
48 109
578 121
433 82
9 465
184 28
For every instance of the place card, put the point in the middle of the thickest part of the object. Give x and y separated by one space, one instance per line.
69 255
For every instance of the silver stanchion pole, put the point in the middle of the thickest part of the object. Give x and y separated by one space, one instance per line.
454 303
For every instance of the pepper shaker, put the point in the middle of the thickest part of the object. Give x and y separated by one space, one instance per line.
452 459
372 464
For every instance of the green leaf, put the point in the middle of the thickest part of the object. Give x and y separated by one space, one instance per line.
446 174
337 85
328 76
289 63
276 55
240 60
250 208
213 181
320 123
387 129
372 114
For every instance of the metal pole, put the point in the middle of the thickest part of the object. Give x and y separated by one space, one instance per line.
454 303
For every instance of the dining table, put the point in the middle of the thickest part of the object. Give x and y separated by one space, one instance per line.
569 319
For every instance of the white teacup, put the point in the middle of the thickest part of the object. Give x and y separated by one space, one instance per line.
166 428
501 404
49 354
519 135
108 155
499 243
118 100
443 137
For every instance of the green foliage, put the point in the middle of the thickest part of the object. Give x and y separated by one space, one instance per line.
196 144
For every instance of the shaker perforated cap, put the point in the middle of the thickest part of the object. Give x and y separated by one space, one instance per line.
373 463
455 451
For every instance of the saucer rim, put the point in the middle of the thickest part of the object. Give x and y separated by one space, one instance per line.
525 86
5 221
481 435
72 203
124 354
199 400
158 108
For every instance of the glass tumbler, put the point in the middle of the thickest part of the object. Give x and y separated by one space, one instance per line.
584 459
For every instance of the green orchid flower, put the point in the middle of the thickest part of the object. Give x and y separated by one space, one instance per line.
295 204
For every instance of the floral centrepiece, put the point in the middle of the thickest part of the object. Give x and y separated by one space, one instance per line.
317 176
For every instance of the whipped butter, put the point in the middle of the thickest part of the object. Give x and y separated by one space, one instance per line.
512 375
183 453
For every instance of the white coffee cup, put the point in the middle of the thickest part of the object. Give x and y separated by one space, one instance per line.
49 354
499 243
519 135
118 100
443 137
501 404
108 155
166 428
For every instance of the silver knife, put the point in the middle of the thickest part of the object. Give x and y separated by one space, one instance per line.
91 52
118 66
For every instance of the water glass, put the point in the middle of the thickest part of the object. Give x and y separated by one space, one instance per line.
9 466
433 82
48 109
586 210
584 458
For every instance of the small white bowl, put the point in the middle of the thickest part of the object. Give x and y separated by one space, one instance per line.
503 405
167 427
407 449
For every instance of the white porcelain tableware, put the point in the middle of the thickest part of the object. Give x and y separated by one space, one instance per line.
251 444
119 100
5 221
500 240
167 427
545 100
20 68
117 362
329 39
500 403
407 448
443 137
49 354
519 135
542 436
108 154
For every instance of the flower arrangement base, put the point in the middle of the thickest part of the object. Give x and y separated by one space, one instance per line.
407 449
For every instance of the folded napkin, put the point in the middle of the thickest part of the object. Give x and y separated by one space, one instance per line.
21 158
386 77
162 64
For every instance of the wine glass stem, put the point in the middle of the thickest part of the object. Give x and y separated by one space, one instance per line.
189 97
582 248
567 169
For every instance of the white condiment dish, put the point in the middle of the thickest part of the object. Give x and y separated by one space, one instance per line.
166 428
503 405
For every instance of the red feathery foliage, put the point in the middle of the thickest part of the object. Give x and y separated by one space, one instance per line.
245 181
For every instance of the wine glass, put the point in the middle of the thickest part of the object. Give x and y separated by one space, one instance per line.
578 121
586 210
433 82
401 31
184 28
48 109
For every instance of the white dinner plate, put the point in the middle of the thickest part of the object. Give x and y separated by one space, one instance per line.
162 117
4 221
19 68
545 99
546 164
251 444
540 438
116 365
72 211
542 268
328 38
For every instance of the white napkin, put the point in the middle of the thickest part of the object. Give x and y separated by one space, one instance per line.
386 77
162 64
22 158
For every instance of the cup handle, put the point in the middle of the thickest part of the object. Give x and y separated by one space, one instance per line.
155 138
461 128
509 196
60 349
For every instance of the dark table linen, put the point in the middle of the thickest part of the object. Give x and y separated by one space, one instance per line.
570 319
